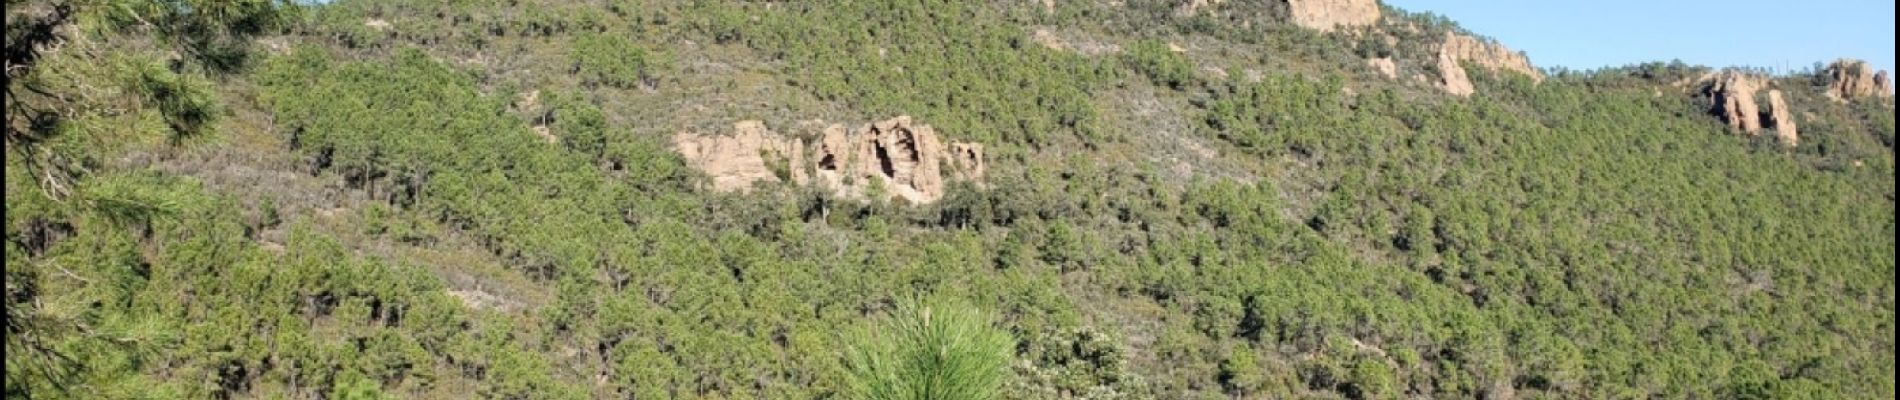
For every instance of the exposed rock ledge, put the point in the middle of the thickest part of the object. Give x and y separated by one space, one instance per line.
1734 96
1491 56
1852 79
1783 120
1733 93
903 160
1329 15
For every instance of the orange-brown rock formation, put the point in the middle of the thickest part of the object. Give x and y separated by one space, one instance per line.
891 159
736 162
1850 79
1734 96
1458 49
1780 117
1330 15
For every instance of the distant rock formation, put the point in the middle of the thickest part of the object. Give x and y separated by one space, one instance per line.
1850 79
1330 15
736 162
1491 56
900 159
1780 117
1734 96
907 160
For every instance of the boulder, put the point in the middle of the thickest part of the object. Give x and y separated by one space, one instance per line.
905 160
1330 15
1458 49
1850 79
1782 120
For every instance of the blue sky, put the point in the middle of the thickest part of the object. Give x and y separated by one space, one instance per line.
1589 34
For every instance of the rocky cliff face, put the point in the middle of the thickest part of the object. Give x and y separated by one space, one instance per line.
1734 96
1780 117
1491 56
1850 79
1883 86
891 159
1329 15
736 162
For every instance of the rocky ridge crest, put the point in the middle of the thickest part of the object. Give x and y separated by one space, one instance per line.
1850 79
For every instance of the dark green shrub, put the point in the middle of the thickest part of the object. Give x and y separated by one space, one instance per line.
611 60
1163 66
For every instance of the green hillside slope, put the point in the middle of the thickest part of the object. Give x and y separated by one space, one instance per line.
482 199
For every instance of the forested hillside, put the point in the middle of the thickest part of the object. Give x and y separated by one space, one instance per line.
354 199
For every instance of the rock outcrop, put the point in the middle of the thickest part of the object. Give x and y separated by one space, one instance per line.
736 162
1734 96
1330 15
1850 79
1883 86
906 160
1490 56
1782 120
892 159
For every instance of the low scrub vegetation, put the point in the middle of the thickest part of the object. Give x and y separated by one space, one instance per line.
354 200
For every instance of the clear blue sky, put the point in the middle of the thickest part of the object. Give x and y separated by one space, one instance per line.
1788 34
